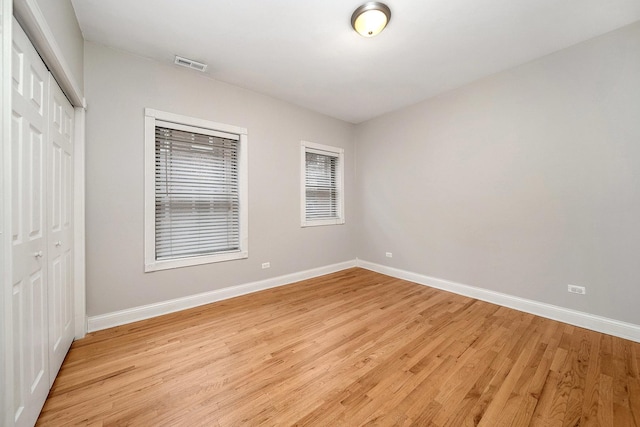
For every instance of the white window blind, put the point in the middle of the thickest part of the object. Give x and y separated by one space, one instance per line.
322 191
197 200
321 186
195 191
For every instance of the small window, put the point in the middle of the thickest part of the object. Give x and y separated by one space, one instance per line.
195 191
322 185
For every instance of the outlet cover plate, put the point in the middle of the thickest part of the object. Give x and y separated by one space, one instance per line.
576 289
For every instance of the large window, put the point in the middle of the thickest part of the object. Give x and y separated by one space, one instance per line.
322 185
195 191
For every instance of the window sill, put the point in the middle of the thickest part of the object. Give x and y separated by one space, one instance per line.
321 222
188 262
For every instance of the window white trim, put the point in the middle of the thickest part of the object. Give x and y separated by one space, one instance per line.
311 147
153 117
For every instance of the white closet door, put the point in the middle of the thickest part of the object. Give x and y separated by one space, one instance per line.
29 263
60 221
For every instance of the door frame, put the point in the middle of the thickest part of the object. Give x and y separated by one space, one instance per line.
33 22
6 316
32 19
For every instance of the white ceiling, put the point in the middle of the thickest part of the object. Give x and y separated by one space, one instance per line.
305 52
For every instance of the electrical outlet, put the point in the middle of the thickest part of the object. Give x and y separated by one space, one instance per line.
389 255
266 265
577 289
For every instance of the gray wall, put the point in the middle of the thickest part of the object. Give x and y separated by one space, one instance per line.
521 183
62 21
118 86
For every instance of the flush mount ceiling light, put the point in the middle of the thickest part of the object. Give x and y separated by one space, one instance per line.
370 19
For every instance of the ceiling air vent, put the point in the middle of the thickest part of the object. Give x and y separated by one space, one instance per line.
189 63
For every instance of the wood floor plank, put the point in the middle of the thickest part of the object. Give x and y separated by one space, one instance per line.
348 349
605 400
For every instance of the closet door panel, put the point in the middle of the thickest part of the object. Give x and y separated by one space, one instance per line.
29 263
60 233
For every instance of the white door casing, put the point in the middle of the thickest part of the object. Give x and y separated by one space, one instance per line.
42 237
28 234
59 193
6 316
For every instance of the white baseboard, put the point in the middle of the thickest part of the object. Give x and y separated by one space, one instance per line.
573 317
605 325
117 318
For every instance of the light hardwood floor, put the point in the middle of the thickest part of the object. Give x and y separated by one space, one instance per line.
348 349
